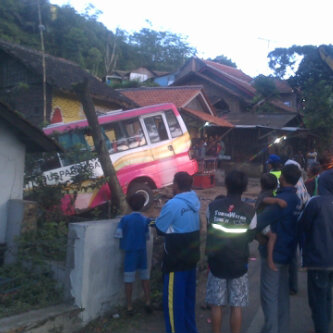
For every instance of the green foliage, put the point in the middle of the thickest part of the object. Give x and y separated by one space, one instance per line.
26 289
160 50
223 60
47 242
81 179
29 284
313 79
265 86
125 84
22 86
82 39
265 91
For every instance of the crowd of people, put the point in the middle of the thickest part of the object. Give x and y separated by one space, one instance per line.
290 217
209 147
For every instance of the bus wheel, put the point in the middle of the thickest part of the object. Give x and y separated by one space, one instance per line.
145 190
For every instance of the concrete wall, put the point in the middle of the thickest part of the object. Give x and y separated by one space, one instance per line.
95 266
21 217
12 154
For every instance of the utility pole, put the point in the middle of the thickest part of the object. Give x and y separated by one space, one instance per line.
41 30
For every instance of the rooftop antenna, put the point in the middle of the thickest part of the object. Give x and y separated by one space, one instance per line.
41 30
268 41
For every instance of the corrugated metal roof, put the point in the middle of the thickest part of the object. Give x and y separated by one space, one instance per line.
272 120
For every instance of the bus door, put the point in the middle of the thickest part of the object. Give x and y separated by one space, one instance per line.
161 146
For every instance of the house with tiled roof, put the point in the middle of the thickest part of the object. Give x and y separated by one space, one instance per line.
231 92
229 89
191 101
21 86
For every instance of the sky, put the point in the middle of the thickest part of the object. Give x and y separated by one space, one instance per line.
242 30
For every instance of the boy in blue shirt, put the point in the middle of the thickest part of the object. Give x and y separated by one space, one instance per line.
133 233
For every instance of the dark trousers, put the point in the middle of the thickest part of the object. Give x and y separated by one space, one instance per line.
274 294
293 274
179 301
320 298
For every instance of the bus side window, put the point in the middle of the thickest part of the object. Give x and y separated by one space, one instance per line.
156 129
174 126
76 147
134 133
116 137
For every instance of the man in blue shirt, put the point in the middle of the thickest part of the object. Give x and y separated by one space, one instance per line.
179 222
274 284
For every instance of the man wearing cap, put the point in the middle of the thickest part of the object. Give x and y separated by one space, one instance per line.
274 165
317 228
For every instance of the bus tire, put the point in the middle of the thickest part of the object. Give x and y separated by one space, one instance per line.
145 190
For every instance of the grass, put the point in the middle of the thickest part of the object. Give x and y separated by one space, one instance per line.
24 289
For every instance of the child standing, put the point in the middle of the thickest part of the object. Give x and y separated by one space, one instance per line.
269 184
133 233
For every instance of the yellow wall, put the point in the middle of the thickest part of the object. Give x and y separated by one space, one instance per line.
71 108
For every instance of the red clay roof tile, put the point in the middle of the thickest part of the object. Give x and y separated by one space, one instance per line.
179 96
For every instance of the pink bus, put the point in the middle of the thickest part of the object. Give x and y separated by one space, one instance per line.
147 147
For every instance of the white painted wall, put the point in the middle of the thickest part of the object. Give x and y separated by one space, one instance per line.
12 155
95 265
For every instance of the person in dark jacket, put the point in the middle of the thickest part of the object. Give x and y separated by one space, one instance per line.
274 285
231 225
179 222
316 225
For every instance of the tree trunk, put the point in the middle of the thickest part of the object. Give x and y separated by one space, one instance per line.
117 195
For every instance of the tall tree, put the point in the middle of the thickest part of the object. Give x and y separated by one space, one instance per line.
160 50
84 40
265 92
313 78
117 195
223 60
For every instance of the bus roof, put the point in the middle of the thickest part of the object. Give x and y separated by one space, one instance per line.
110 116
